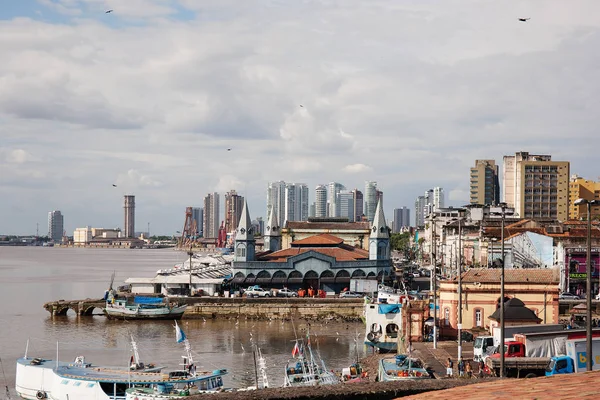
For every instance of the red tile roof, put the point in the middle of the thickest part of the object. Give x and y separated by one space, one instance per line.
347 253
492 275
565 387
318 240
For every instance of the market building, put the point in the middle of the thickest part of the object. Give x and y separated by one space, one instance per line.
322 261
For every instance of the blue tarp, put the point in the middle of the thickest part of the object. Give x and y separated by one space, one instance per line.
389 308
147 300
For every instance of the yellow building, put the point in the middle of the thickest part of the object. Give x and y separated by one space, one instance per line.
580 188
536 288
536 187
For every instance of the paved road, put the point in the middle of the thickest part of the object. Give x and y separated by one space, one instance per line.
436 358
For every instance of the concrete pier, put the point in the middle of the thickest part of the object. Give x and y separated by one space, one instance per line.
236 307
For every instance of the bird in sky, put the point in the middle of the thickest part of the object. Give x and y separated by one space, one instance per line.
228 149
301 106
524 19
108 11
114 185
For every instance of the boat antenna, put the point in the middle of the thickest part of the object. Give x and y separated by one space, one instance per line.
136 355
27 348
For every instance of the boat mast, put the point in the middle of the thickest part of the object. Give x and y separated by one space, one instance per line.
136 355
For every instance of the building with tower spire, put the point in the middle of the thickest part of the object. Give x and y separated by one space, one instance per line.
244 238
379 241
322 261
272 235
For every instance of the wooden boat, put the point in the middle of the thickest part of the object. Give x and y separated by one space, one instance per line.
401 367
141 307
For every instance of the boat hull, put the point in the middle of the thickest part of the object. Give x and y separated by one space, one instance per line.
133 313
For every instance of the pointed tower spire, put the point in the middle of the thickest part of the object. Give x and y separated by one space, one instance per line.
244 238
273 232
244 229
379 228
379 240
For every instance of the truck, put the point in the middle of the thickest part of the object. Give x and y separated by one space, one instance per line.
529 354
575 359
484 344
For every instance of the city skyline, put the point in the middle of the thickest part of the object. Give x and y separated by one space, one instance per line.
405 94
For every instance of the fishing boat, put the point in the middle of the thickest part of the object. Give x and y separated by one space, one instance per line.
39 378
401 367
141 307
187 382
304 369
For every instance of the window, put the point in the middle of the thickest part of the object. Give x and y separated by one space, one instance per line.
479 317
446 316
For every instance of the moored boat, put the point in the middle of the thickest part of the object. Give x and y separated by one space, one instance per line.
39 378
305 370
401 367
142 307
383 326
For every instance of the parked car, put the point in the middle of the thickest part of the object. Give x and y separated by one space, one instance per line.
285 292
349 295
257 291
568 296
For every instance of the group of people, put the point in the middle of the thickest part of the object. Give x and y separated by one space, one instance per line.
465 369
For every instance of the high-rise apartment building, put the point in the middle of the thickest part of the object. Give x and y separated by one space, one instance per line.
210 225
296 202
438 198
536 187
401 219
276 200
233 210
420 210
129 216
312 210
357 205
580 188
333 189
321 201
55 225
345 204
484 184
197 218
370 199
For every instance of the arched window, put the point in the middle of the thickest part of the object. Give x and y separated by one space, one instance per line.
391 330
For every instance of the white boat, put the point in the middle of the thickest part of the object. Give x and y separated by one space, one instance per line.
305 370
142 307
38 378
383 325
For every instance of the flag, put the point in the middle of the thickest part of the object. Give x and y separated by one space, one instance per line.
295 350
179 335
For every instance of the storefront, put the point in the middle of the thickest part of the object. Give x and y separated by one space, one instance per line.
576 259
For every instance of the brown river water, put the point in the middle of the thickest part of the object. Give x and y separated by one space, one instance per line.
31 276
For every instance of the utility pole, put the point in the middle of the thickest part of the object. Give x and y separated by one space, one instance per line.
434 281
459 269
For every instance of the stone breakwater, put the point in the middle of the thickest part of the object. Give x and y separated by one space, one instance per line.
312 309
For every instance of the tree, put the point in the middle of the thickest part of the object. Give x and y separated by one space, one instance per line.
400 241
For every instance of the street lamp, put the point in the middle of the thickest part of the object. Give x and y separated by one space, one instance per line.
503 212
588 281
459 272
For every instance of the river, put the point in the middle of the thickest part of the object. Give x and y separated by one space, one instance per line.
31 276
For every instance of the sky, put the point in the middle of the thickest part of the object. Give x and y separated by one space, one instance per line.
408 93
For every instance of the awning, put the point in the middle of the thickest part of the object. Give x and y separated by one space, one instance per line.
263 280
389 308
239 280
250 281
279 280
342 279
329 279
295 280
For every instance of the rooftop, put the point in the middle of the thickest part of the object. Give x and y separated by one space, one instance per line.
547 276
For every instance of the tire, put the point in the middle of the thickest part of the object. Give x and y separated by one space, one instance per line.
530 375
294 295
41 395
267 295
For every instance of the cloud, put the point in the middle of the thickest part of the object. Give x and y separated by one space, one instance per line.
408 94
356 168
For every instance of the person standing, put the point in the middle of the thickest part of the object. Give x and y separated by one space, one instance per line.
461 368
469 370
449 366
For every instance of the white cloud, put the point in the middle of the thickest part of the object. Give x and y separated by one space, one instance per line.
356 168
405 93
